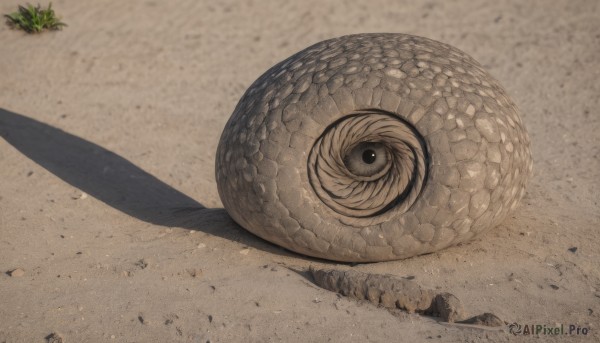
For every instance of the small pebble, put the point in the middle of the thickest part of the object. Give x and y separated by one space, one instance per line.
16 272
195 273
554 286
81 196
573 249
142 264
244 251
54 338
142 320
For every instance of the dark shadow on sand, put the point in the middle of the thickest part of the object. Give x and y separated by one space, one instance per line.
117 182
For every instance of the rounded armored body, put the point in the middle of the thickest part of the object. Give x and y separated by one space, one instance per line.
373 147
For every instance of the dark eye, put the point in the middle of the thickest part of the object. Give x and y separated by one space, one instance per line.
367 159
369 156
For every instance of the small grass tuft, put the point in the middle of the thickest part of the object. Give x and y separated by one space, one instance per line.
34 19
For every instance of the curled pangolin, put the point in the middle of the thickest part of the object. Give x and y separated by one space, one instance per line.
373 147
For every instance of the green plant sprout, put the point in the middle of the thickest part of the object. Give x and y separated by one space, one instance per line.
34 19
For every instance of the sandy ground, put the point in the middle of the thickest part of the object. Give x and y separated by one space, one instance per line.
112 122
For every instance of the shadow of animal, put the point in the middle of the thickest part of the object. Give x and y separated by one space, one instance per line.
117 182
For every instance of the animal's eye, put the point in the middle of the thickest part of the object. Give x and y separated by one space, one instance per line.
367 159
367 164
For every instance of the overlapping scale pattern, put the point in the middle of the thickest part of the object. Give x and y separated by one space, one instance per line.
457 155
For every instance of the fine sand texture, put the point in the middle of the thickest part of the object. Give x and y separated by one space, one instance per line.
111 227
